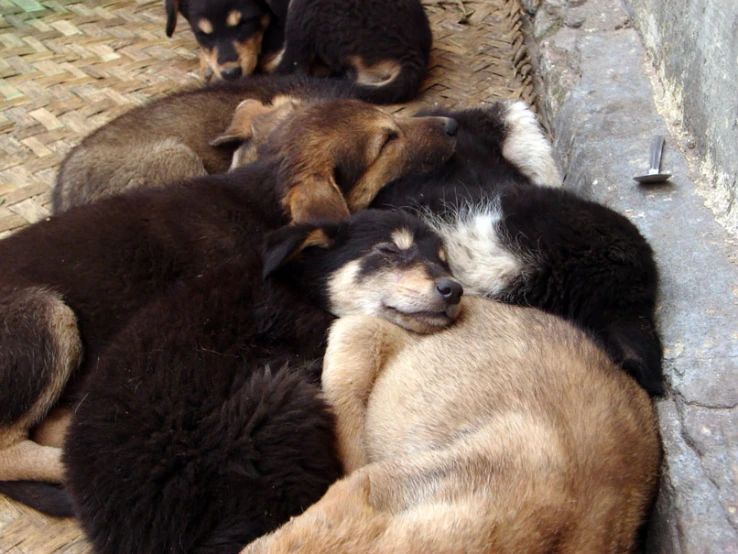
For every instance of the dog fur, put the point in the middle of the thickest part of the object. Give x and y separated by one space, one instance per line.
182 136
513 235
202 426
77 278
508 432
383 45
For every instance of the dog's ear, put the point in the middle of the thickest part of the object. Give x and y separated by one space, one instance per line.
285 244
315 197
172 7
279 8
253 119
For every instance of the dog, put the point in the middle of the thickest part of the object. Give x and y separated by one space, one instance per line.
183 135
231 33
70 283
510 431
512 234
383 45
203 427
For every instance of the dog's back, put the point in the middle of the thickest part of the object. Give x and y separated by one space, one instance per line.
555 446
508 432
382 45
169 140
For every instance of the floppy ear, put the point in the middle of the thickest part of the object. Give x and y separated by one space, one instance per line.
253 119
285 244
172 7
315 197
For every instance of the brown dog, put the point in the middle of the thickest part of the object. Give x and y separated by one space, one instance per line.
171 139
508 432
70 283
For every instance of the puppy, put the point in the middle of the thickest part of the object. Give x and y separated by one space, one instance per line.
202 426
69 284
230 33
182 136
508 432
382 45
513 235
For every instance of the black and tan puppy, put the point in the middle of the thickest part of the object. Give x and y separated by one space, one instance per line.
513 235
70 283
507 432
182 136
231 33
203 427
381 45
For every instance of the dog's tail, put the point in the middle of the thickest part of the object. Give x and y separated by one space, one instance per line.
391 82
48 498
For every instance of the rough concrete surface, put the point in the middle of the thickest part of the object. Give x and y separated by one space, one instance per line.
600 90
694 45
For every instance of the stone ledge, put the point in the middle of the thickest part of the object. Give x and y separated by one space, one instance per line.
598 96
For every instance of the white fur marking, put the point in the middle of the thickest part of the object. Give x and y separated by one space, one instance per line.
476 253
402 238
527 147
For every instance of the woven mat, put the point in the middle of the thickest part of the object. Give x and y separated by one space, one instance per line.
69 66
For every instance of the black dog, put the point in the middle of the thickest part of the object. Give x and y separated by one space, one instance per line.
69 284
382 45
202 426
512 236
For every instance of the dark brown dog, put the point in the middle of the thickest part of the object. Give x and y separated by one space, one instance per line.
203 426
70 283
508 432
171 139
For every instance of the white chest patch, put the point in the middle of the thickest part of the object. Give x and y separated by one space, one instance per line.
477 255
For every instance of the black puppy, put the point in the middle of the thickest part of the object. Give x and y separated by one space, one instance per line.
382 45
513 236
202 426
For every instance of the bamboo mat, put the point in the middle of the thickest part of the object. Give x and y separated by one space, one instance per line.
67 67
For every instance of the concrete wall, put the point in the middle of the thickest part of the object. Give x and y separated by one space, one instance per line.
600 101
694 45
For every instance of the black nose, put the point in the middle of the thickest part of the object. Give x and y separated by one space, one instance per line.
451 127
231 73
450 290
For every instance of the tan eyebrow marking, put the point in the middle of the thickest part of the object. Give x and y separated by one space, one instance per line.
234 18
403 238
205 26
442 254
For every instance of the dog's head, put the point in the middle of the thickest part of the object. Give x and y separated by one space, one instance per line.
336 155
229 32
383 263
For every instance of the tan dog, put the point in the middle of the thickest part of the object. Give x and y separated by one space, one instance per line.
509 432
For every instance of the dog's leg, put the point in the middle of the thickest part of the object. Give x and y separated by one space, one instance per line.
358 347
39 348
51 431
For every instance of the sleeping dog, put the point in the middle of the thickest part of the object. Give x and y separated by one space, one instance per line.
513 235
508 432
202 426
182 136
69 284
382 45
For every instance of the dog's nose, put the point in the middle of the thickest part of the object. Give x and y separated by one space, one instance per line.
451 127
231 73
450 290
